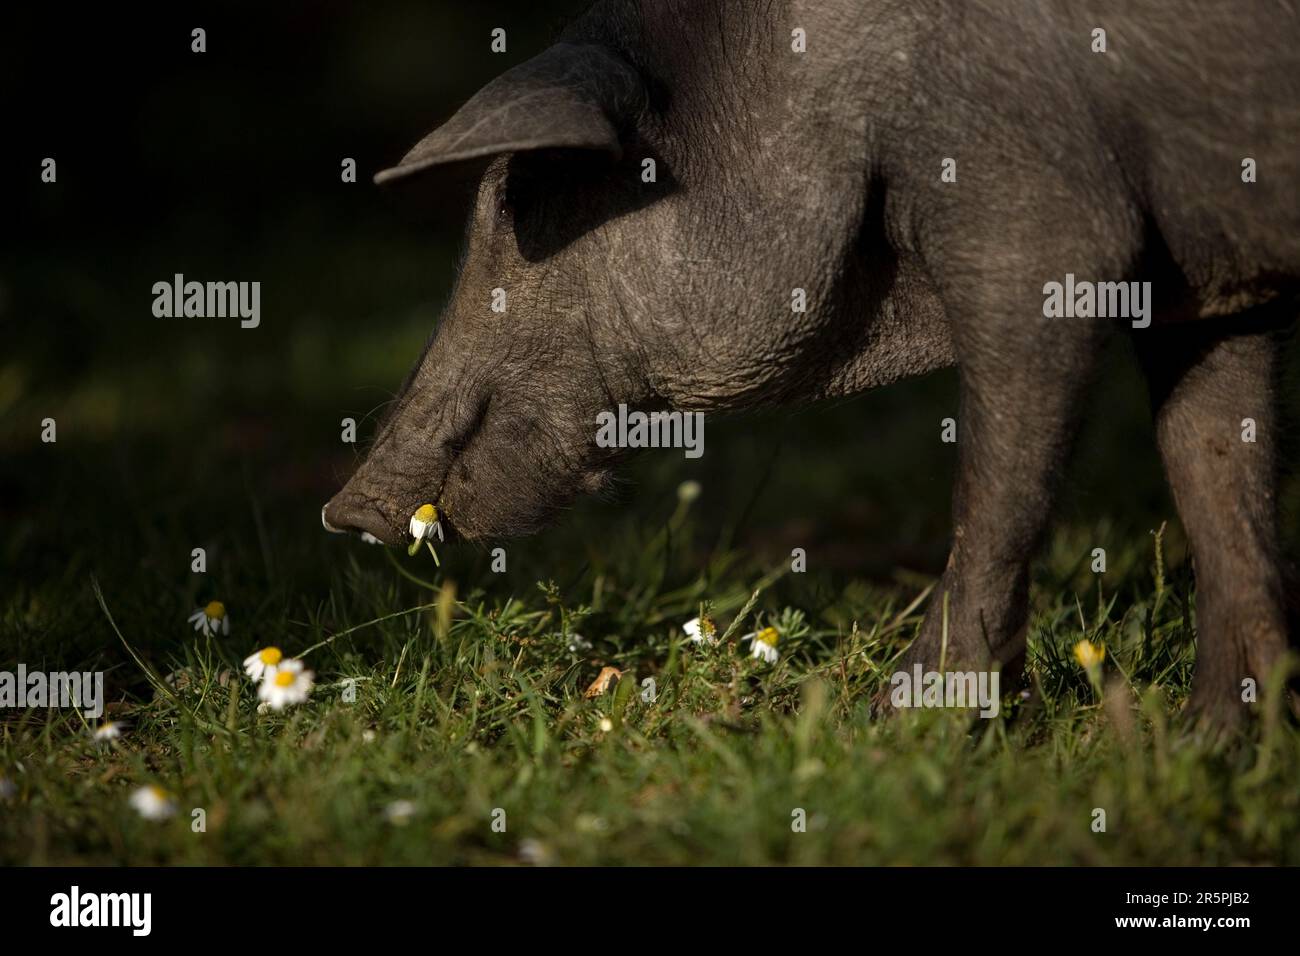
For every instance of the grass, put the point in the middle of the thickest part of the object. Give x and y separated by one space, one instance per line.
469 702
180 434
468 698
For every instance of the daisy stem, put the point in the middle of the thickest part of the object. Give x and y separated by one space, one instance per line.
436 562
378 620
158 683
407 574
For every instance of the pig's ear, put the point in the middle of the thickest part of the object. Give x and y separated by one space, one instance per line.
573 96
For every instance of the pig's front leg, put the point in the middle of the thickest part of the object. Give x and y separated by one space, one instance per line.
1023 378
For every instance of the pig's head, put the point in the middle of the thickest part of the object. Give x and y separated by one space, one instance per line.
619 288
496 423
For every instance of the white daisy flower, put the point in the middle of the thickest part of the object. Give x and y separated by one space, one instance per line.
688 491
534 852
425 525
153 803
701 630
399 812
606 725
369 538
764 644
578 644
256 665
211 619
285 683
107 731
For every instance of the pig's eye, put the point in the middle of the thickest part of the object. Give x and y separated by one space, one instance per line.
503 207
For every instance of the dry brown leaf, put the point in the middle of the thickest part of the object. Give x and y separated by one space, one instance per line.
606 677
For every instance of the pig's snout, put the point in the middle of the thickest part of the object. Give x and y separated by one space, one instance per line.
325 522
349 511
408 466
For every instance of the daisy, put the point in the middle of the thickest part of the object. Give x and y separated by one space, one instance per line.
534 852
257 664
425 522
211 619
399 812
285 683
700 630
424 525
369 538
578 644
764 644
107 731
153 803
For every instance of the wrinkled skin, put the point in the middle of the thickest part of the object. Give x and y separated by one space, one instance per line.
821 171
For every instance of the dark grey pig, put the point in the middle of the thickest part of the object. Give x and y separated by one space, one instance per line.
990 183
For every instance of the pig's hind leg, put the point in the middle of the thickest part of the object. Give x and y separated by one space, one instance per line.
1215 405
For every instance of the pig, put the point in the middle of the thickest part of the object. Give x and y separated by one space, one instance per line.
928 173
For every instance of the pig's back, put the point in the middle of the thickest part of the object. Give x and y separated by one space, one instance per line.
1197 95
1159 123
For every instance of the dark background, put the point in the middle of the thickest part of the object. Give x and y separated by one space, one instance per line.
180 432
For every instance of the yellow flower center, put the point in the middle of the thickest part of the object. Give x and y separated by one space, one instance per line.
769 636
284 679
426 513
270 656
215 610
158 793
1089 654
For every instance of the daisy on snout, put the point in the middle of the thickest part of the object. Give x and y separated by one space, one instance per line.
286 683
153 803
765 644
211 619
257 664
425 525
